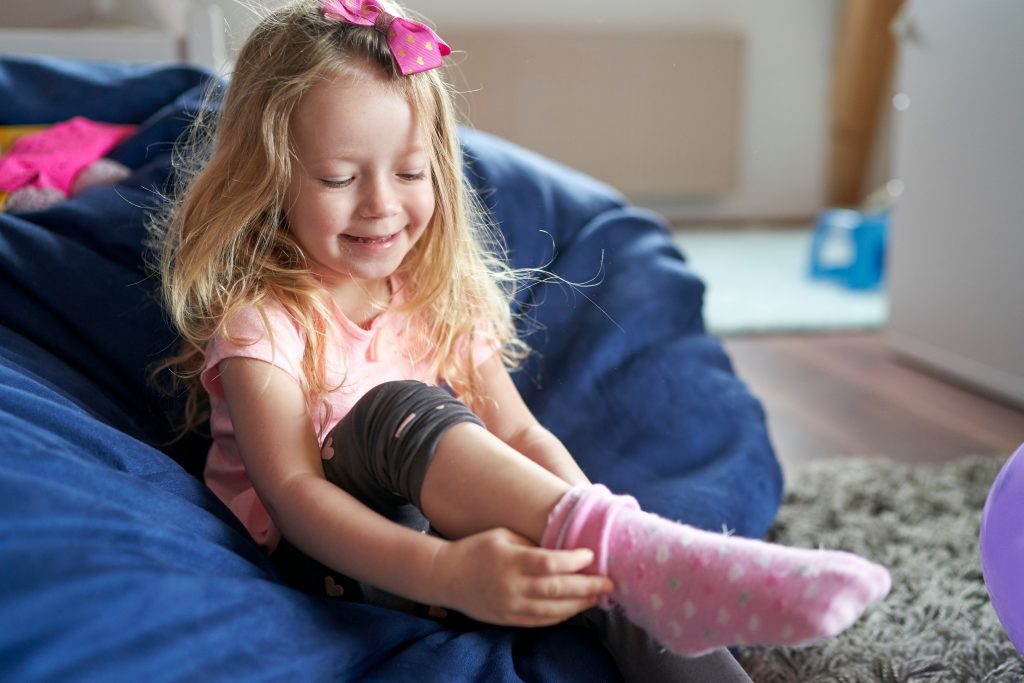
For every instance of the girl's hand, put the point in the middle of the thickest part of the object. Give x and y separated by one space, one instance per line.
500 577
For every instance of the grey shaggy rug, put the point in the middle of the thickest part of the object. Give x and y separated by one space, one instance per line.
921 522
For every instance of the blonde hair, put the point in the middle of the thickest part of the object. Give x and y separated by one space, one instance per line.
223 244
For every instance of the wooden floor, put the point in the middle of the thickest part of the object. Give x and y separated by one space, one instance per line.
846 394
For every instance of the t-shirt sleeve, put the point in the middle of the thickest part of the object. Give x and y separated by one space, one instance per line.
249 338
484 344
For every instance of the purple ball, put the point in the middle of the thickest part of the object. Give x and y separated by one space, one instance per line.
1002 547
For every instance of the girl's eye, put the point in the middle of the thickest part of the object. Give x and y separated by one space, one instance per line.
332 183
419 175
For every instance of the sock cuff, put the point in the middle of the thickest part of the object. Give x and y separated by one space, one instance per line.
554 532
584 519
590 524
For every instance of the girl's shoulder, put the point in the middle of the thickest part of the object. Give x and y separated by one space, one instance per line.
264 332
254 322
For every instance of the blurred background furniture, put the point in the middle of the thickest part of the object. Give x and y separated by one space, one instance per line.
149 31
955 263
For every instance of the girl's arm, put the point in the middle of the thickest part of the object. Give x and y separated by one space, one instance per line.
494 576
507 417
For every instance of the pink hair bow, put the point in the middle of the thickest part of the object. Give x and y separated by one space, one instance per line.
415 46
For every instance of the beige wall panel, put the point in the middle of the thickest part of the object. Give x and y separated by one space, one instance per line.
654 113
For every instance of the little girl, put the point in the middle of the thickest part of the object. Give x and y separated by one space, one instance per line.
329 272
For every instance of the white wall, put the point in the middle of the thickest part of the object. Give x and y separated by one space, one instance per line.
955 287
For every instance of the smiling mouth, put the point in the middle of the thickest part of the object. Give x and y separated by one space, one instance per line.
370 240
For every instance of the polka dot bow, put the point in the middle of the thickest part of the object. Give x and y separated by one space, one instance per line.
415 46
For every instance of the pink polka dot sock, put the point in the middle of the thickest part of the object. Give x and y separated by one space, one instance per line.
695 591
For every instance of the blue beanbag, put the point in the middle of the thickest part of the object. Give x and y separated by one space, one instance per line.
119 564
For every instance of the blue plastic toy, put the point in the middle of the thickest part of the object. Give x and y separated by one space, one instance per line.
848 247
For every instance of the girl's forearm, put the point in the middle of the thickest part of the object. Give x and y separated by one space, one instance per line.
544 448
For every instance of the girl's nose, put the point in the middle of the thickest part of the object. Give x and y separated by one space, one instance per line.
380 200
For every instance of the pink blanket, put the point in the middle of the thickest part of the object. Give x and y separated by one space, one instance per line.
53 157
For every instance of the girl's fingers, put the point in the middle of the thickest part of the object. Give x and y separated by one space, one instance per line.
569 587
540 562
548 612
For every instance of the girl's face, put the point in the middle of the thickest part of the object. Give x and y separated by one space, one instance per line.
361 193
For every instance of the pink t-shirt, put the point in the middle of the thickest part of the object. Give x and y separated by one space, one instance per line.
363 357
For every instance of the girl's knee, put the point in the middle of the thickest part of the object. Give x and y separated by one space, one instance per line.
391 434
